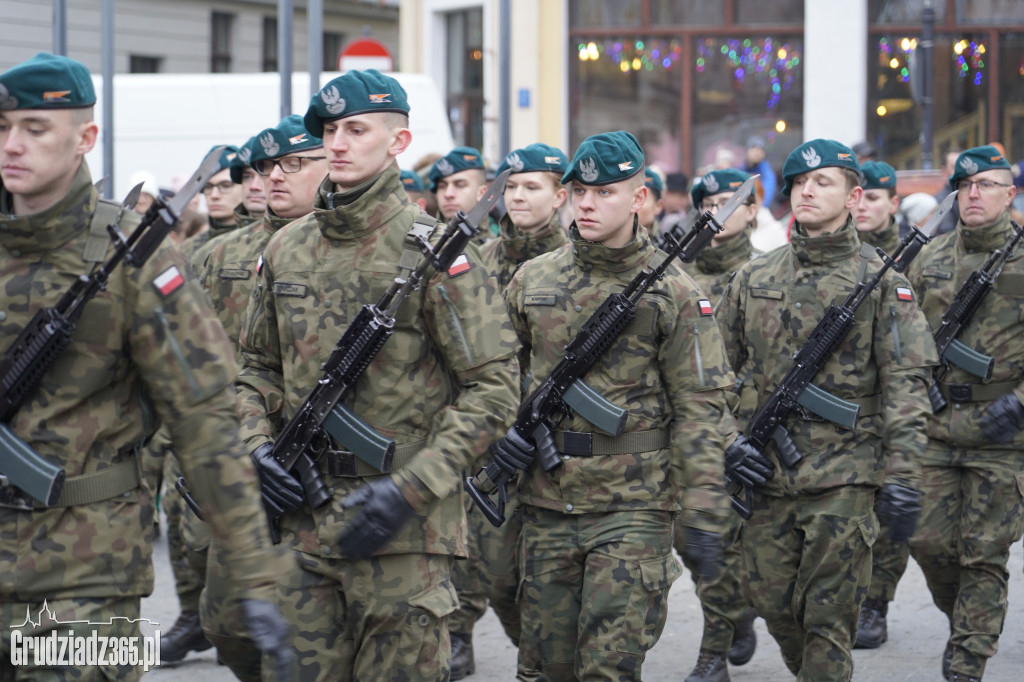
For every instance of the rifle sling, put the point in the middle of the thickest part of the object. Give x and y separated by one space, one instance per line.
95 486
345 463
975 393
107 213
587 444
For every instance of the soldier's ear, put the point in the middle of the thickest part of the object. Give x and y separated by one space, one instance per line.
400 142
88 133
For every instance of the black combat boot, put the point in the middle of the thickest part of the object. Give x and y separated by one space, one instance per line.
961 677
710 667
185 636
462 657
744 639
947 659
871 628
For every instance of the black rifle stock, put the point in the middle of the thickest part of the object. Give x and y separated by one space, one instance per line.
966 302
321 413
49 332
796 388
564 386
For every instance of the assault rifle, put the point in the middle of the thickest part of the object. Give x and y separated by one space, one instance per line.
564 388
49 331
796 390
322 413
966 302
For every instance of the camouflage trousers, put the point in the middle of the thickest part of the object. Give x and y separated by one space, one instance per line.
806 566
973 511
115 617
188 583
722 600
383 618
888 563
594 595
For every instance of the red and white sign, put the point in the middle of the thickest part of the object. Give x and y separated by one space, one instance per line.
365 53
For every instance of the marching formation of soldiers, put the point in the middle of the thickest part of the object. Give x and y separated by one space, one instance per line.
382 420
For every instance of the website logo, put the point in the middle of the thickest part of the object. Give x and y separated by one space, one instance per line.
72 647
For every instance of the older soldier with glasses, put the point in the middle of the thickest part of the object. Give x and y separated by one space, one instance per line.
973 506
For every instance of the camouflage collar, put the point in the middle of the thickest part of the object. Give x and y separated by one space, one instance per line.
273 222
984 239
520 247
374 205
218 227
590 255
46 230
827 249
887 239
726 257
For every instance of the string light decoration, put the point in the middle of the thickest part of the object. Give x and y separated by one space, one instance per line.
968 58
633 55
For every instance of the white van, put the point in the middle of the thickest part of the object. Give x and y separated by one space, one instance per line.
165 123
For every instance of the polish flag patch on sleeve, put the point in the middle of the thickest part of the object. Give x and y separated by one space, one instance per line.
904 294
460 266
169 281
705 307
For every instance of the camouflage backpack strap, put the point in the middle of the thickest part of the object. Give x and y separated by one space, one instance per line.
107 213
422 229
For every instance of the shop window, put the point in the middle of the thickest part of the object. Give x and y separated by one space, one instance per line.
687 12
769 11
989 11
605 13
903 11
465 83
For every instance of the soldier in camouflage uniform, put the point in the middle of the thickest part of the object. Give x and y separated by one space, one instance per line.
146 348
973 481
458 179
875 220
374 592
533 195
596 545
291 164
254 200
807 547
222 196
728 617
415 190
653 206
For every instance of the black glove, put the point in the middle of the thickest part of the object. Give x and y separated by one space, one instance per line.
281 492
898 509
384 512
744 464
270 631
513 453
1003 419
703 552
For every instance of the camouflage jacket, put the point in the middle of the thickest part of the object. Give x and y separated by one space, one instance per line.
668 370
995 329
714 266
193 244
887 239
766 315
228 269
147 341
446 378
503 255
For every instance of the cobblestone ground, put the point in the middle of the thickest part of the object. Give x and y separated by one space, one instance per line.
917 635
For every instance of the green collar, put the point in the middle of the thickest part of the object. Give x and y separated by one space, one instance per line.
362 210
590 255
985 239
46 230
520 247
727 257
828 249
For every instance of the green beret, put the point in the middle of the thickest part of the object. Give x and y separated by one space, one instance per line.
653 182
717 182
536 157
242 160
606 158
412 181
287 137
355 92
455 161
46 81
227 158
975 160
816 154
878 175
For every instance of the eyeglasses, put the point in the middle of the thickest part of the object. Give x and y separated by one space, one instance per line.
983 185
289 164
223 187
717 206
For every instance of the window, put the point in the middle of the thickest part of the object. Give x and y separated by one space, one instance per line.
465 67
221 27
270 43
140 64
333 43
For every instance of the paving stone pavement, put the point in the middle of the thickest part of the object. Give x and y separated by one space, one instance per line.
917 635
